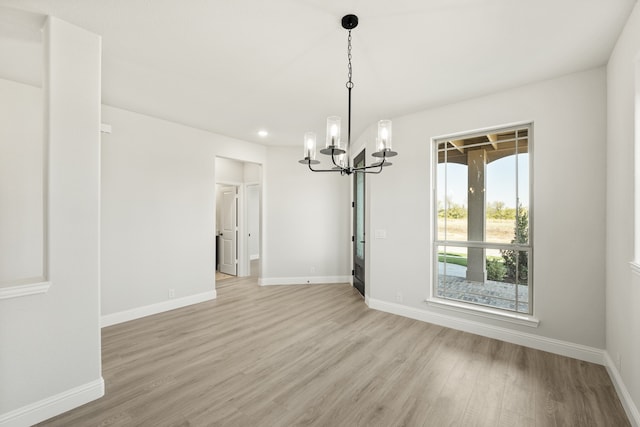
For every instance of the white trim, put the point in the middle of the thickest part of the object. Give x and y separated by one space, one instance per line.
25 289
254 257
482 131
486 312
625 398
315 280
635 267
161 307
50 407
564 348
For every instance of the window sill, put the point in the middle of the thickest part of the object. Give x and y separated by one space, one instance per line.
17 290
635 267
486 312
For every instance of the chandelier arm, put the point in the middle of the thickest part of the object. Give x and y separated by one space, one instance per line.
374 172
321 170
366 170
333 159
379 165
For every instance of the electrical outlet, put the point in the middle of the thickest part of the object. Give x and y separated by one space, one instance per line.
312 269
172 293
398 296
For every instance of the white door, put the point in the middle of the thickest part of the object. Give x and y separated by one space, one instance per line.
229 231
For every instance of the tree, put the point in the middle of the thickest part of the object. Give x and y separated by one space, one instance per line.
454 210
495 269
498 210
516 262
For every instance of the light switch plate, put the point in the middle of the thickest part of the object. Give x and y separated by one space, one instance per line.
381 234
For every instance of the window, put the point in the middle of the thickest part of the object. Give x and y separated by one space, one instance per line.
482 246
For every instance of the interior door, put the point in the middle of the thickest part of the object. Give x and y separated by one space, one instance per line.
229 231
358 225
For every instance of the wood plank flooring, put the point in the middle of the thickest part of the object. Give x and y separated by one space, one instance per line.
317 356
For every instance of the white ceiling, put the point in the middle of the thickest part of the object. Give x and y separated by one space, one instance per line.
234 67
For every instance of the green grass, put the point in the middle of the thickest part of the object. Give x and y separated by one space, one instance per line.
458 259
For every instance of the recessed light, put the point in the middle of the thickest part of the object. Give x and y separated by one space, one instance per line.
263 133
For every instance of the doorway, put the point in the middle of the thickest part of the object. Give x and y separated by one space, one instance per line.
238 219
358 225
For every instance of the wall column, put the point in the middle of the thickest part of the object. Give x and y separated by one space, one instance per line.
476 258
50 359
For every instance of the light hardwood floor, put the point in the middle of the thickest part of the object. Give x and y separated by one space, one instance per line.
316 355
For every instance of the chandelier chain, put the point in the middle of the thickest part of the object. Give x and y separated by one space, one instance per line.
350 68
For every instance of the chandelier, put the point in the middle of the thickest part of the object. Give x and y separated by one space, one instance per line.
335 147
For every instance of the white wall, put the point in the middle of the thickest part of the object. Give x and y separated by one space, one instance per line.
623 286
252 173
229 171
50 343
253 220
21 182
158 210
569 198
308 215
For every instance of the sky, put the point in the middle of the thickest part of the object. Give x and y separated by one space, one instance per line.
500 181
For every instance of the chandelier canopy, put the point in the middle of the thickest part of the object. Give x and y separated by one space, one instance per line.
334 146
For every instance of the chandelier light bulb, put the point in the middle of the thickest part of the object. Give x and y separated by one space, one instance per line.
384 135
333 132
310 145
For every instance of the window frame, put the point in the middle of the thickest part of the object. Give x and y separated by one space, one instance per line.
469 307
634 264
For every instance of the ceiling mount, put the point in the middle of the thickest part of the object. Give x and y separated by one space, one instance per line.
349 22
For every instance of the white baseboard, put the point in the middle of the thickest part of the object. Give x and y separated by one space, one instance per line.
161 307
312 280
254 257
625 398
54 405
564 348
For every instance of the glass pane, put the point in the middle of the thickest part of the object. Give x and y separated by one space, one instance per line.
359 215
452 262
522 226
504 287
440 198
522 279
456 210
452 270
501 199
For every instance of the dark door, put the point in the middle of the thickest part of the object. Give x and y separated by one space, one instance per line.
358 225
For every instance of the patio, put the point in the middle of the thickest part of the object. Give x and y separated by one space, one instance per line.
490 293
